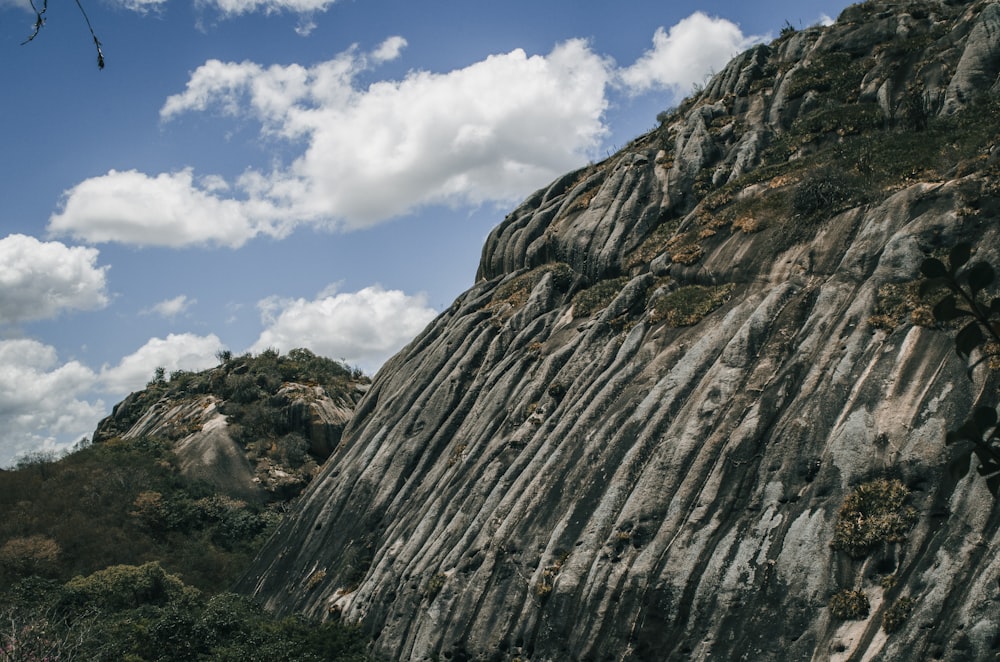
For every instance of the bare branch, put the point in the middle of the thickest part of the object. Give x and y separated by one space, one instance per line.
40 22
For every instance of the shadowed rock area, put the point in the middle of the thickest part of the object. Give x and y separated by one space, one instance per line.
645 432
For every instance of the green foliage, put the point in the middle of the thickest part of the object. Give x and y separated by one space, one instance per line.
896 615
123 502
143 613
29 555
230 523
873 514
967 284
821 192
121 587
688 305
849 605
597 297
247 383
836 74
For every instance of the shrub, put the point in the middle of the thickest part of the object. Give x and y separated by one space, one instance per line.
874 514
897 614
849 605
113 615
124 587
834 73
654 244
820 193
30 555
597 297
315 579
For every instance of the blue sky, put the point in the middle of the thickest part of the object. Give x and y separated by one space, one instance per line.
294 173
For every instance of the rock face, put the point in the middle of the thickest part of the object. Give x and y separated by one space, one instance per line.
634 436
205 449
273 448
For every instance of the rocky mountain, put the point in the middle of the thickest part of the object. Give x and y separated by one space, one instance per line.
255 426
694 405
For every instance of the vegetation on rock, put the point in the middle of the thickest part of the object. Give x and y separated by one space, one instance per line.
875 513
687 305
849 605
896 615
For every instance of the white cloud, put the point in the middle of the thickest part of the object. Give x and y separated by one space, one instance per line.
183 351
38 280
681 58
165 210
141 6
171 307
41 401
363 328
390 49
493 131
238 7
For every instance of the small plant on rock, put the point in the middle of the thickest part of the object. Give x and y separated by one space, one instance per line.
874 514
434 586
897 614
849 605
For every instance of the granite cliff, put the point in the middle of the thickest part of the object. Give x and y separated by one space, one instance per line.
694 405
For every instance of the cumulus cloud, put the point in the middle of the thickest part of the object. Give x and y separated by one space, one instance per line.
169 209
38 280
363 328
41 400
171 308
46 404
492 131
682 57
182 351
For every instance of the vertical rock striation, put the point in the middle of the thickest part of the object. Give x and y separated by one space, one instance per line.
632 437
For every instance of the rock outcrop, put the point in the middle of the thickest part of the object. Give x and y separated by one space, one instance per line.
281 432
640 434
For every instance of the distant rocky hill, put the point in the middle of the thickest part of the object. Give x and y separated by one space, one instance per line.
255 426
694 405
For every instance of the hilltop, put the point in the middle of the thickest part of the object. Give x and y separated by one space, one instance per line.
192 471
125 548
